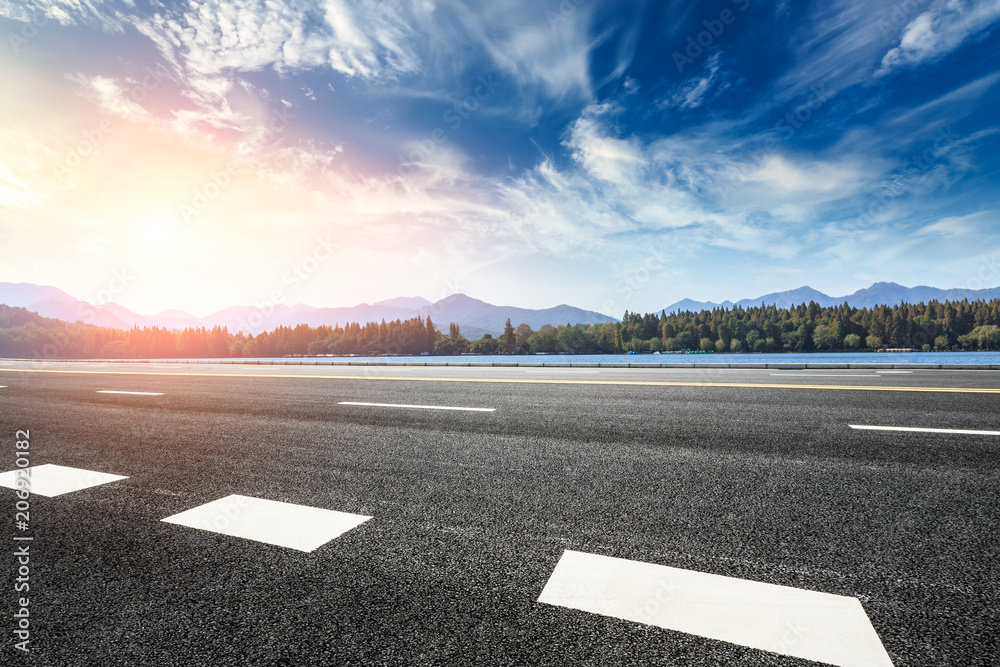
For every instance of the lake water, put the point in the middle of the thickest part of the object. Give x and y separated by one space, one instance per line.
775 358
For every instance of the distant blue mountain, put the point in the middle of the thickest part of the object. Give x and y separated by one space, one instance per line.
473 316
879 294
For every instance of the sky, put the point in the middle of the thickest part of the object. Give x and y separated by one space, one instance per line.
615 156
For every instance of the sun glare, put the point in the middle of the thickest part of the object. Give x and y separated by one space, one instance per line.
157 229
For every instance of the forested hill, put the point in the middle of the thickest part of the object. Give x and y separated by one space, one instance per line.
807 327
803 328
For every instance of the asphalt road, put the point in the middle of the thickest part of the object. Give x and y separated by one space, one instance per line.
761 480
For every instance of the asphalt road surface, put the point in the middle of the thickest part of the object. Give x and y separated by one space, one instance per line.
750 474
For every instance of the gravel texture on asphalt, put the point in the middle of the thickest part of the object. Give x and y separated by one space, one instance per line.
472 510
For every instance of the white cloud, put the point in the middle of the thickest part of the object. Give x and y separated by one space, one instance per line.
951 105
552 58
692 93
778 173
361 39
105 15
27 169
945 26
111 96
958 226
604 157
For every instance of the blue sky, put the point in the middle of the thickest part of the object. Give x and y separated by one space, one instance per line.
611 155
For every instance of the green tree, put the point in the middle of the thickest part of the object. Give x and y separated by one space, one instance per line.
823 337
685 340
986 337
508 339
521 336
485 345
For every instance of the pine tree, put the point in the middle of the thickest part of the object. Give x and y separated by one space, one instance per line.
508 338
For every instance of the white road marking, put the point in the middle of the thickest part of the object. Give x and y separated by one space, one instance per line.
134 393
823 375
422 407
282 524
923 430
54 480
790 621
568 371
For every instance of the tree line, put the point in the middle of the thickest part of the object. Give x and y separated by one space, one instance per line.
959 325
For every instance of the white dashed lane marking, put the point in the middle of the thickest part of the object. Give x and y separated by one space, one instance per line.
961 431
54 480
418 407
827 628
283 524
823 375
133 393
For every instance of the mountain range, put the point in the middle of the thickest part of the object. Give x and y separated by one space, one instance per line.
879 294
473 316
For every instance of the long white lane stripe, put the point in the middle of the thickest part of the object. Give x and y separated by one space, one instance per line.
805 624
135 393
422 407
962 431
824 375
567 371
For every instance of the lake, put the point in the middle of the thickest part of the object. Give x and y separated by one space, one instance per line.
764 358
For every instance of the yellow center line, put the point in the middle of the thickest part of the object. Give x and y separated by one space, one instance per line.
634 383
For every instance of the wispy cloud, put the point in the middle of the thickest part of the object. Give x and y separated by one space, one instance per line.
694 92
941 29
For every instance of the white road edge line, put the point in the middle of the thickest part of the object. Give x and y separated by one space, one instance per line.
922 430
422 407
135 393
